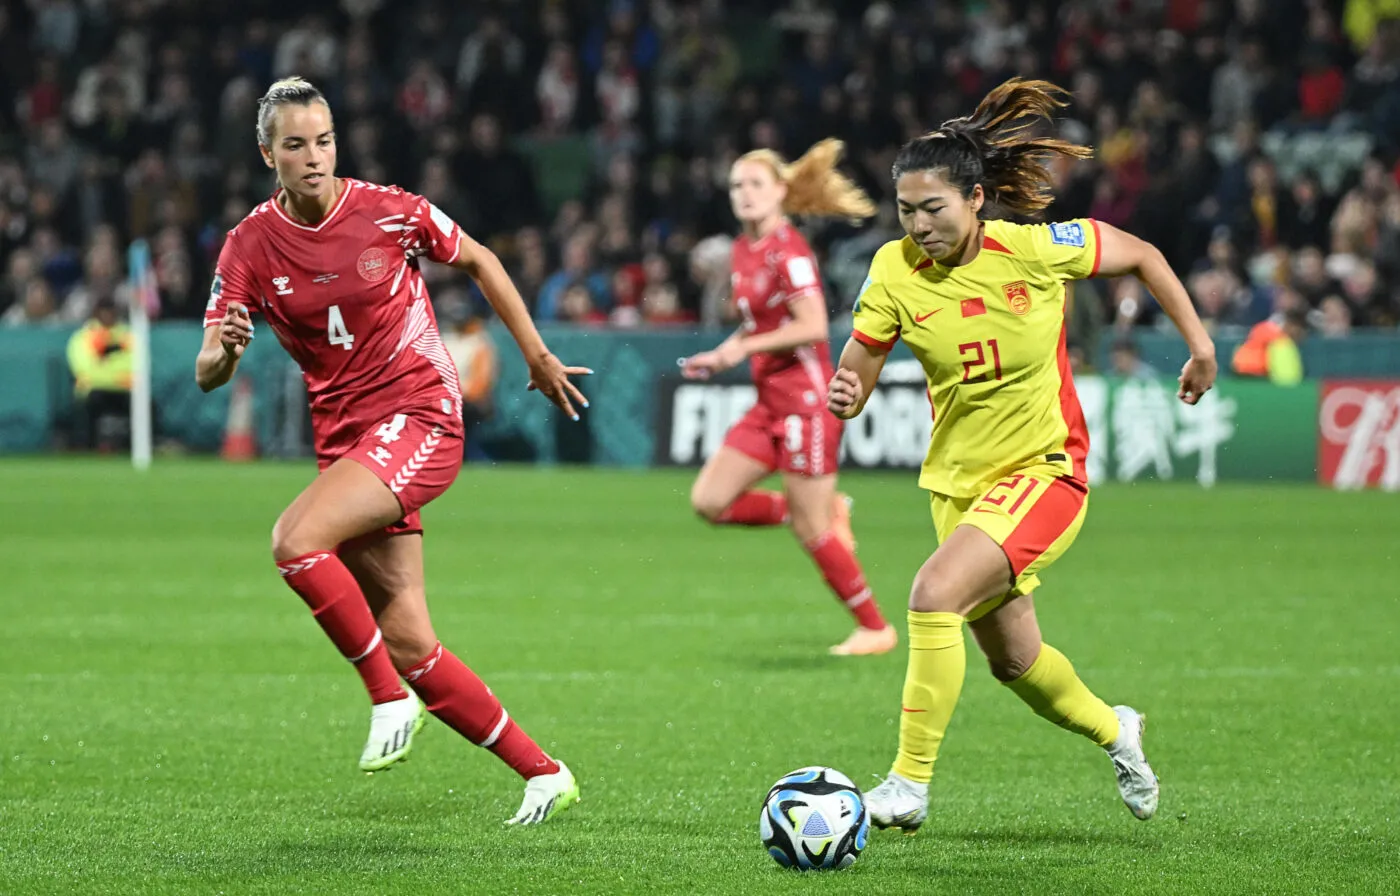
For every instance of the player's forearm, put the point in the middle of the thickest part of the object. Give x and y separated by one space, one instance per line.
732 338
214 367
1162 282
866 364
787 337
506 301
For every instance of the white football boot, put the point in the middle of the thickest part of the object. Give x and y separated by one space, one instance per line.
546 796
897 802
1136 781
392 726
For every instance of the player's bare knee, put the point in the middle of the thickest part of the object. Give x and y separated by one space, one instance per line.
935 593
287 543
705 506
295 538
927 595
807 529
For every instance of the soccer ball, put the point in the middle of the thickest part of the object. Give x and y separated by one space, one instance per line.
814 819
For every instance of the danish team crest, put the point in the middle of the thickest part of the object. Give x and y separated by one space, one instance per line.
1018 296
373 264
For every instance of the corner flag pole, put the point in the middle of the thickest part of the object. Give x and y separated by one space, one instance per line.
144 302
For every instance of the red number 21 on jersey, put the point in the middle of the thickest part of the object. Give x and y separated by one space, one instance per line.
1020 485
980 360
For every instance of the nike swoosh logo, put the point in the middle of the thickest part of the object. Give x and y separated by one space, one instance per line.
920 318
907 709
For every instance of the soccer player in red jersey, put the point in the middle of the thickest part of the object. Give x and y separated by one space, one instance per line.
778 292
333 265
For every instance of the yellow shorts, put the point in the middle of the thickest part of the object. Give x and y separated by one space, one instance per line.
1034 515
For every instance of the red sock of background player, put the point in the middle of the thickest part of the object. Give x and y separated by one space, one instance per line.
339 606
756 508
455 694
843 573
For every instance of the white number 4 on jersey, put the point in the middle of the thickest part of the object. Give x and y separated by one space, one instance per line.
389 432
335 329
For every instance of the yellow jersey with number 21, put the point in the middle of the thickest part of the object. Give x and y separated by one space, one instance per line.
990 335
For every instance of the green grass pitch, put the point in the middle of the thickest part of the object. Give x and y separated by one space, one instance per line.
174 722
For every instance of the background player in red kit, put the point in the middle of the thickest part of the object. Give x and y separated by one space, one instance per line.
784 335
332 263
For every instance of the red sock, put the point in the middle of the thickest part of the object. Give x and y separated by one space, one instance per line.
339 606
756 508
455 694
842 572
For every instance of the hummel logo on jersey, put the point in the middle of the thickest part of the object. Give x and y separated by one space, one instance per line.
283 285
920 318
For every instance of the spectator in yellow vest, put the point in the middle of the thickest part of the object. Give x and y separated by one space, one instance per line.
100 357
1271 349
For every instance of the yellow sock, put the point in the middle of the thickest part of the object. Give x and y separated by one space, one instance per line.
937 661
1051 688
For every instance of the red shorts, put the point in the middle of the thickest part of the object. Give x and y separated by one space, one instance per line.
415 457
806 444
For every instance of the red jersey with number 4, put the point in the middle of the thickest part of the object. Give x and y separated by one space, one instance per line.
768 275
347 301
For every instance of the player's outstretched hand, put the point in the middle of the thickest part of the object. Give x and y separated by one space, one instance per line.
1197 376
844 394
700 366
549 375
236 330
704 365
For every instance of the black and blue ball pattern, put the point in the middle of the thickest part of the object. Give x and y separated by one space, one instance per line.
814 819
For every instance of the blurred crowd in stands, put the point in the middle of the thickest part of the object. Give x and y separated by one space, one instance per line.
588 143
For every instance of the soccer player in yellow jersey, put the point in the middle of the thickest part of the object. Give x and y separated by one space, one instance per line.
981 303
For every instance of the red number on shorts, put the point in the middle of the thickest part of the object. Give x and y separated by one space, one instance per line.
1030 487
980 361
1007 487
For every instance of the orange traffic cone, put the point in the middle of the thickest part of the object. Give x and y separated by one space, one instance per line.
238 432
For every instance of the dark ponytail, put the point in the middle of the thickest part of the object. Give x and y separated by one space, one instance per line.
995 146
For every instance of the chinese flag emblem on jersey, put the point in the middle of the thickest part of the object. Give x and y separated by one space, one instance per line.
1018 296
973 307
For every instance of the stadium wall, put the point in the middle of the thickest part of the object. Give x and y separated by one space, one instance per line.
1340 425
